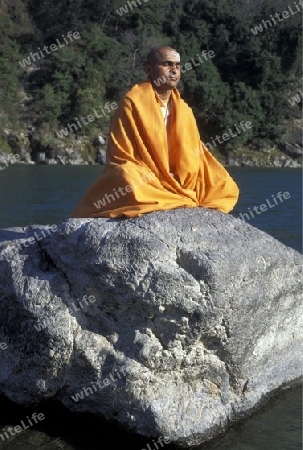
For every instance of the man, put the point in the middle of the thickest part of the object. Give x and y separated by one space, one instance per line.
155 158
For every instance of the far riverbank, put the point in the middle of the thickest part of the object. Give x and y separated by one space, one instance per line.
72 157
30 147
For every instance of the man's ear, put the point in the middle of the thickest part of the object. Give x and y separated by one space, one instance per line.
147 69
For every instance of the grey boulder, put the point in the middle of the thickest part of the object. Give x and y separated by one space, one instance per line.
175 324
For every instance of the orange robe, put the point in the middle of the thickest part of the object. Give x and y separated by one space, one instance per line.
136 179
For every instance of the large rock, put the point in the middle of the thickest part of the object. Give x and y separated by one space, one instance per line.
192 320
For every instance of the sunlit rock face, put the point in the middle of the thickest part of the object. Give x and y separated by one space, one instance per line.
174 324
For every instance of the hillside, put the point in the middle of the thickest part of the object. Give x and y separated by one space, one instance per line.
64 64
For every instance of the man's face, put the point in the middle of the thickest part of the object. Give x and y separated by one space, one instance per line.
165 70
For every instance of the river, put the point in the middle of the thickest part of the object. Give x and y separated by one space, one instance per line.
46 195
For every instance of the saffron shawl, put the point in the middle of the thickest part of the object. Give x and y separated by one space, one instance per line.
142 153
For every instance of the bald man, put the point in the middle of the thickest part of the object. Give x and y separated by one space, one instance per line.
163 70
155 157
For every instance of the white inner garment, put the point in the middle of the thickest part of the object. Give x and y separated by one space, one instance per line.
166 111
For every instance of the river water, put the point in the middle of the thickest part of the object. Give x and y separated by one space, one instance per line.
46 195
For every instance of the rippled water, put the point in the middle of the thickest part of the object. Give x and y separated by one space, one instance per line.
47 195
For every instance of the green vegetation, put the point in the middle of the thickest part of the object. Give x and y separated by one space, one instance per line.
250 78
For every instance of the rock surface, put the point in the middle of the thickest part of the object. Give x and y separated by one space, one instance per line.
174 324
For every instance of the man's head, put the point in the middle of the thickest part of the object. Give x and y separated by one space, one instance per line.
163 67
